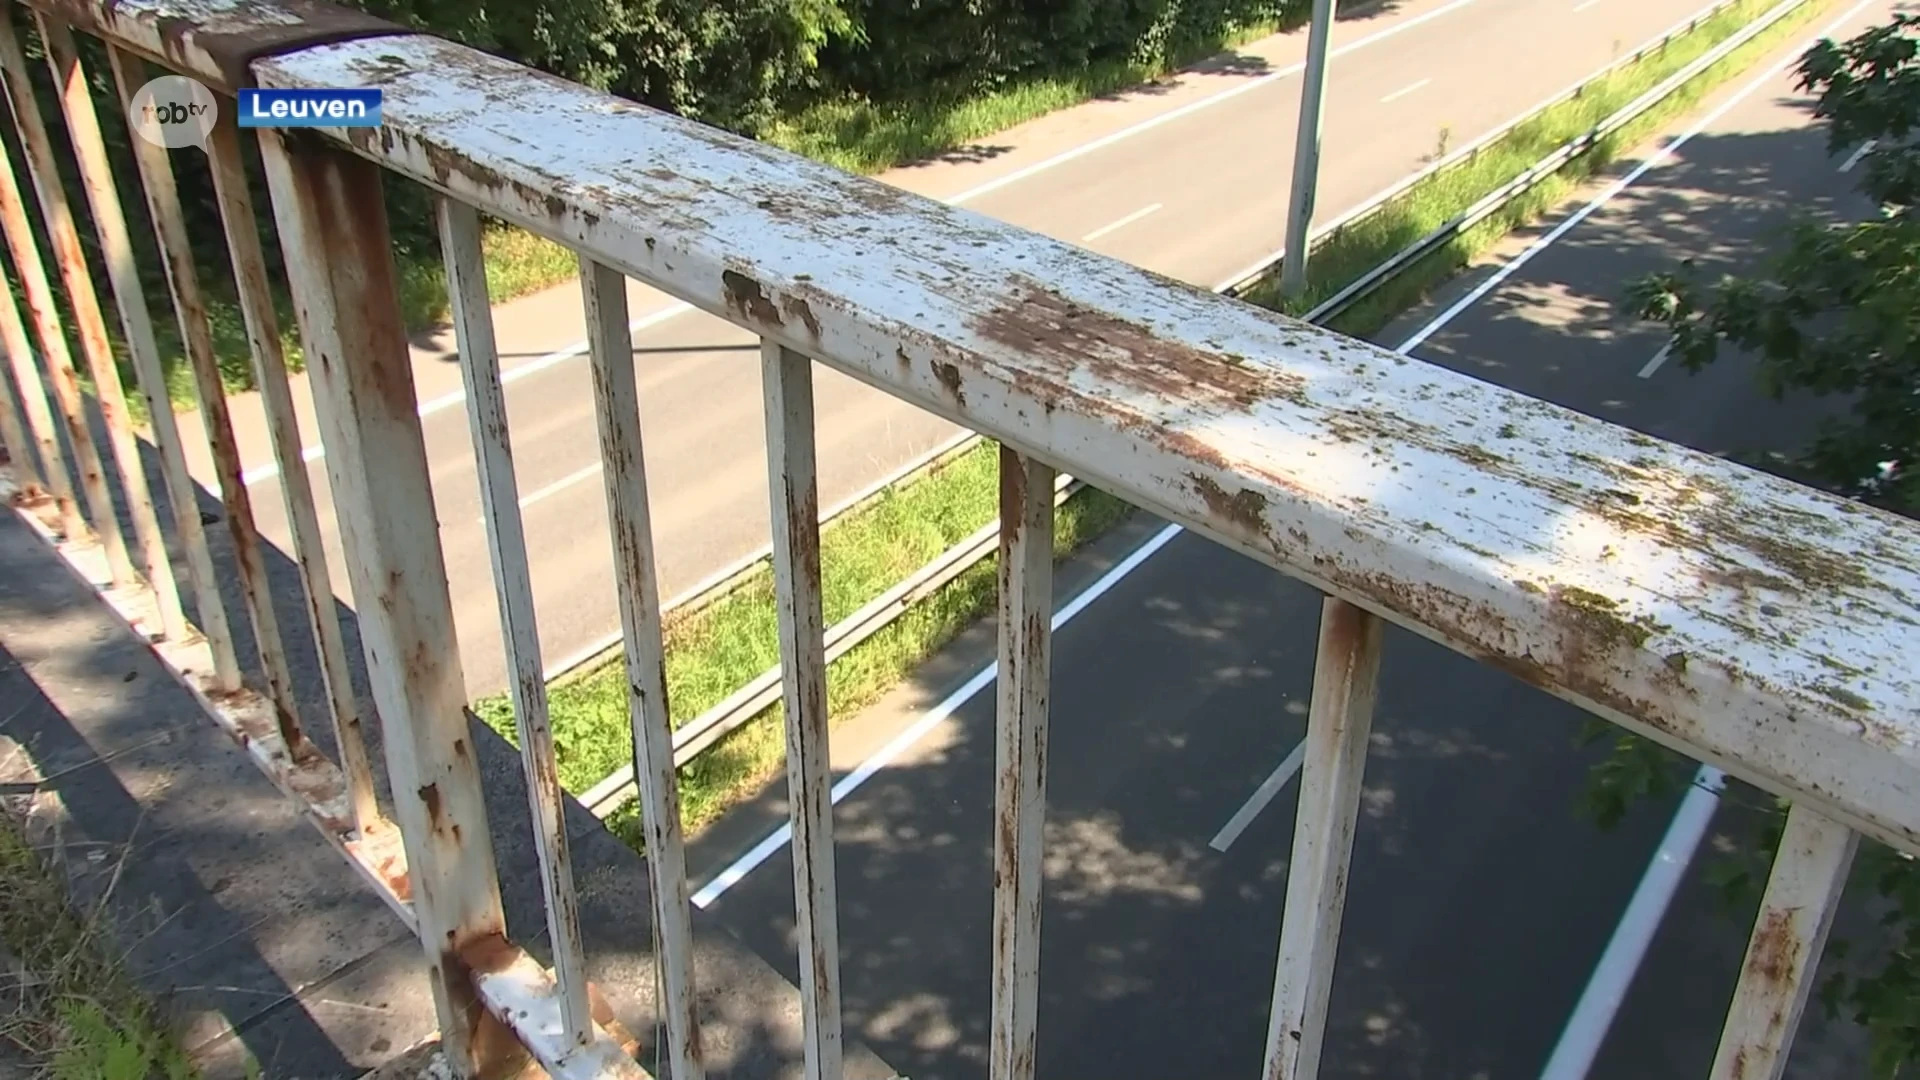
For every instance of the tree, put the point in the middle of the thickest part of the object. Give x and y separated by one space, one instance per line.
1835 311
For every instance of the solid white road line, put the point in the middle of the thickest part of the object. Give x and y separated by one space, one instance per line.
1654 159
1121 224
1258 801
1592 1017
1659 358
1404 91
579 348
1195 106
779 838
1854 158
760 852
1587 1028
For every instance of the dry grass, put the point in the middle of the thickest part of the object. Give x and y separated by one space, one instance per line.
68 1011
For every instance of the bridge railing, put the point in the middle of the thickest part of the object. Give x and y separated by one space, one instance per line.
1760 626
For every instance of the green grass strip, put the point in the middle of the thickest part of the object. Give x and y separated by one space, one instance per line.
715 651
1434 201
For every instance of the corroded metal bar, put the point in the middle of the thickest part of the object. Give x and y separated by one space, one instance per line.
1803 892
241 228
70 260
110 226
13 441
1345 674
1020 760
333 228
513 586
61 378
190 310
793 485
52 462
616 400
25 422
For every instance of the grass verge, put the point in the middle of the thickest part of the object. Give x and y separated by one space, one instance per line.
865 136
69 1008
715 651
1431 203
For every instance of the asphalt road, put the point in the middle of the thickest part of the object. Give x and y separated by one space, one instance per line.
1479 903
1200 195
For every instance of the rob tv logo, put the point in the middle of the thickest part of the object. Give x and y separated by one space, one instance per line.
174 111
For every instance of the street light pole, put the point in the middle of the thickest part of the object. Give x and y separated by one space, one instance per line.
1306 152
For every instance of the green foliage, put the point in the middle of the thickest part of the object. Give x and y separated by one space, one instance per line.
1836 309
1833 311
102 1049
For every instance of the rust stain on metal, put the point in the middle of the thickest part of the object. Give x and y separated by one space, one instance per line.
745 295
489 953
796 307
949 376
1246 508
225 55
430 795
1776 947
1047 327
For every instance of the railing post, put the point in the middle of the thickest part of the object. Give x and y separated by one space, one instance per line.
513 588
70 259
624 477
793 484
333 228
1345 674
1020 760
238 222
1809 872
31 441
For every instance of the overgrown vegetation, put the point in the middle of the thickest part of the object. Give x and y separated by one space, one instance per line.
1834 310
715 651
1426 206
69 1009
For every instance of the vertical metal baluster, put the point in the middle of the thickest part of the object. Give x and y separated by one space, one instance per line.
45 313
617 413
513 585
1345 675
1020 760
52 464
332 222
13 428
242 231
70 259
110 225
794 486
1803 892
163 204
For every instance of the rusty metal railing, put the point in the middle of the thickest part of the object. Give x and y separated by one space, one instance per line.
1750 623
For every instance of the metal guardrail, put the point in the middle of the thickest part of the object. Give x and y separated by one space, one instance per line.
1734 616
614 791
1552 163
1268 265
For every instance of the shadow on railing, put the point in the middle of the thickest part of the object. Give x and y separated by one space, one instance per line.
1753 624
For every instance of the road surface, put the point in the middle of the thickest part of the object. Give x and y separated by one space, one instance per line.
1479 903
1194 186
